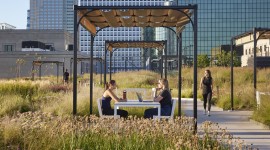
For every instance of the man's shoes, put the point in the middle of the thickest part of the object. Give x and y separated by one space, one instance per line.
208 113
204 112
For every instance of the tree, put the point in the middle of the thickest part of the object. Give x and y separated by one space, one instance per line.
224 59
203 61
19 63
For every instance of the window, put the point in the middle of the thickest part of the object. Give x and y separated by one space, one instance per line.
9 48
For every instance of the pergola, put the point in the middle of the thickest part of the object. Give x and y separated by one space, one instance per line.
88 59
96 18
112 46
247 37
40 62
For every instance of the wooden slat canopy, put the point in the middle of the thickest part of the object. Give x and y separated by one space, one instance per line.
135 44
133 17
248 36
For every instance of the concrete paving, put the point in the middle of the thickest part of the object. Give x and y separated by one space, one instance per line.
236 122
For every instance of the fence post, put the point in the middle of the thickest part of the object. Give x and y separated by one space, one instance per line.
258 99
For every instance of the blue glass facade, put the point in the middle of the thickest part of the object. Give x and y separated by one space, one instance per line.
220 20
51 14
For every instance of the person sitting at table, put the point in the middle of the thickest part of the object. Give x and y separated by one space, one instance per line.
164 98
109 95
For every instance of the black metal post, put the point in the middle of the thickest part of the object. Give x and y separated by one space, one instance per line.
161 64
33 73
144 58
100 70
105 65
195 30
57 71
75 62
125 64
179 40
40 72
232 74
70 67
111 65
91 73
165 51
64 68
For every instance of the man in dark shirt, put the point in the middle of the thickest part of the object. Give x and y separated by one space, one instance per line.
66 76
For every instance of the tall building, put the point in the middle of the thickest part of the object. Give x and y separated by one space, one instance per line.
220 20
51 14
125 58
167 34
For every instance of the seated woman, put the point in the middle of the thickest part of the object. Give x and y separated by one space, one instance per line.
164 98
107 96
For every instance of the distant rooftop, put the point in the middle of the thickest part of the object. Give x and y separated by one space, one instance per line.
4 26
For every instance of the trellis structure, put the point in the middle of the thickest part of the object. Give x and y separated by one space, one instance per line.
40 62
96 18
112 46
254 35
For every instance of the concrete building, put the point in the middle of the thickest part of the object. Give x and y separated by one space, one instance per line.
16 58
11 40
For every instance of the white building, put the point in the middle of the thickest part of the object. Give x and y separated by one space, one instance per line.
248 51
5 26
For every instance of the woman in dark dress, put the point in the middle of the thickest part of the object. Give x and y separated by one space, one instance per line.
164 98
207 90
109 95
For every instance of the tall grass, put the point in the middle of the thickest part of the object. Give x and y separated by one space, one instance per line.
262 113
45 131
21 95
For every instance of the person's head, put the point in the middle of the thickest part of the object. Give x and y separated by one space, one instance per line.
66 70
111 85
207 73
163 83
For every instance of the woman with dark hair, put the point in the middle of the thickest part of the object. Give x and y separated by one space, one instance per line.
207 89
109 95
164 98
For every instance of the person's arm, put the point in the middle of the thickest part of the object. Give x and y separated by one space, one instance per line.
162 95
158 98
201 83
212 85
114 97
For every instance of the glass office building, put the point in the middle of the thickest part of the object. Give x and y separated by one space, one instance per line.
51 14
220 20
123 59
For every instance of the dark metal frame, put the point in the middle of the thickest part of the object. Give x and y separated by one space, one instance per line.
40 62
164 45
88 58
194 23
255 39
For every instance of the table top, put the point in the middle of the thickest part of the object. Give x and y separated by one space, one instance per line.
137 103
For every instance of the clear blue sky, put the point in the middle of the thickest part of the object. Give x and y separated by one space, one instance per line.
14 12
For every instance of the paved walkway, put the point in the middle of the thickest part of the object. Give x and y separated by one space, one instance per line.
236 122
